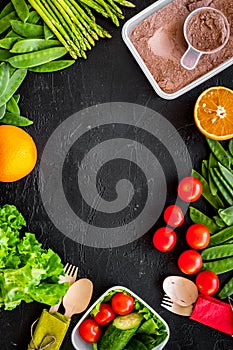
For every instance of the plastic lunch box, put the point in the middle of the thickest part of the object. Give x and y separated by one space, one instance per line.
133 22
79 344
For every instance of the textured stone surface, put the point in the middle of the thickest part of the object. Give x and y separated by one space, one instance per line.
110 74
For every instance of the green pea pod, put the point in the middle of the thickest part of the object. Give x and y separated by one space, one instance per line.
223 236
27 30
219 152
5 22
221 187
33 17
30 45
199 218
33 59
219 266
14 82
227 290
219 222
215 201
21 9
12 106
227 215
4 77
17 98
230 147
7 43
5 55
227 174
6 10
213 163
16 120
48 34
218 252
53 66
228 188
2 111
204 169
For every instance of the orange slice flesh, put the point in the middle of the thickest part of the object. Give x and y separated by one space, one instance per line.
213 113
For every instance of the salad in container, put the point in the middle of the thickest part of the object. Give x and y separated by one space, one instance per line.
120 320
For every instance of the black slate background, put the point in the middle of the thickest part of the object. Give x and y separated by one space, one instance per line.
109 74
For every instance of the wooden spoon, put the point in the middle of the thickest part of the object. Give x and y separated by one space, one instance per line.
181 290
78 297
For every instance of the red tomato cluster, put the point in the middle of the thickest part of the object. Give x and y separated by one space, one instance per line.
90 329
197 237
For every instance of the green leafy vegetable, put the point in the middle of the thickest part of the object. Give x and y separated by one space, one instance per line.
27 271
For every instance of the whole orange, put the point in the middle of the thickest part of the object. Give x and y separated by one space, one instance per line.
18 153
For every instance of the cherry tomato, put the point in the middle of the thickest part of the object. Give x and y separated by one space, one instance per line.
173 216
198 236
207 282
89 331
190 262
164 239
122 303
189 189
105 314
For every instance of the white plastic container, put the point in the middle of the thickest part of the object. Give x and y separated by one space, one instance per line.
80 344
133 22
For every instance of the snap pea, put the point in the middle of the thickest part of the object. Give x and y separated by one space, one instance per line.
227 290
52 66
4 77
225 184
33 59
204 169
14 82
17 98
230 147
33 17
225 235
218 252
30 45
48 34
227 215
21 9
215 201
12 106
228 175
27 30
219 222
219 152
5 55
16 120
219 266
2 111
212 164
199 218
7 43
6 10
221 187
5 22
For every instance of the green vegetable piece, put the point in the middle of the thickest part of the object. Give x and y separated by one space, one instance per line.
6 10
227 290
135 344
5 22
27 30
218 252
230 146
227 215
120 331
33 17
221 187
226 190
7 43
204 169
31 45
2 111
4 78
219 266
33 59
215 201
95 346
219 222
12 106
148 327
17 98
228 175
12 34
5 55
14 82
199 218
53 66
222 236
149 341
21 9
219 152
213 163
48 34
14 119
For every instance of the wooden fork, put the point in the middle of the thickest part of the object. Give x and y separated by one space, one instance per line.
168 304
71 272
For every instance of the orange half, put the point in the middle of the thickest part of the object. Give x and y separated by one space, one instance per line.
213 113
